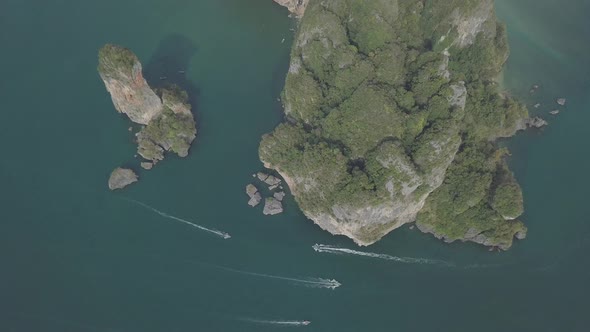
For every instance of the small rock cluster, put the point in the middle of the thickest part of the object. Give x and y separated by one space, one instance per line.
272 205
559 101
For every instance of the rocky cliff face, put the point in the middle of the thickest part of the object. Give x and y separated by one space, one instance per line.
122 75
377 98
297 7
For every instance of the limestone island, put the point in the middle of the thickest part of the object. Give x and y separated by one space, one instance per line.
392 112
165 114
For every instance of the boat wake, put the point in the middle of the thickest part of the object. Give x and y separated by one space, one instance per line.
278 322
166 215
308 282
407 260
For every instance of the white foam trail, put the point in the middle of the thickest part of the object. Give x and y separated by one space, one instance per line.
408 260
484 266
278 322
166 215
309 282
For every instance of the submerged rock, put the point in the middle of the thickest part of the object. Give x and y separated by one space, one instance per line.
121 178
272 206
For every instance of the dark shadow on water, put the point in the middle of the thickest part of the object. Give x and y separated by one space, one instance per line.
170 65
280 71
278 82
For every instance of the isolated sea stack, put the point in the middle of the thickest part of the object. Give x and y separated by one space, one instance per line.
168 124
393 109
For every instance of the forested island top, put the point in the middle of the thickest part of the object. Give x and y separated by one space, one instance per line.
392 113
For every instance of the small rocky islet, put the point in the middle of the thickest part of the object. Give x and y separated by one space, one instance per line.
167 124
272 204
121 178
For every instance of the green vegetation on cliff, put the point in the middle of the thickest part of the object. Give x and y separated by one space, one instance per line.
169 131
172 130
380 97
477 197
113 58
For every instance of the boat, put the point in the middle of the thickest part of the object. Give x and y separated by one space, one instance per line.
306 322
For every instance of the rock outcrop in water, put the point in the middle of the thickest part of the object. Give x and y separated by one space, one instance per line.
168 124
121 178
297 7
392 109
255 197
272 206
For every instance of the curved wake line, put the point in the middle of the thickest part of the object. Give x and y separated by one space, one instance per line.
166 215
408 260
277 322
309 282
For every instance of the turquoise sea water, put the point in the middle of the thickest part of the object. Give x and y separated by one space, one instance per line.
76 257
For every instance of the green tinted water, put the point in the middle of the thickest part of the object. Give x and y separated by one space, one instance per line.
76 257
